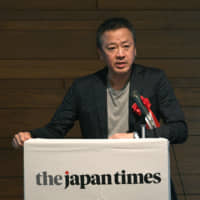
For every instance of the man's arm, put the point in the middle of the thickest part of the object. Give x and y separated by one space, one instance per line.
174 127
62 121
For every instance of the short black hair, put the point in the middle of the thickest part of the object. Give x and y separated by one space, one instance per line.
114 24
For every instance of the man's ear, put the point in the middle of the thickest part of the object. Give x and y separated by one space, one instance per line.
100 54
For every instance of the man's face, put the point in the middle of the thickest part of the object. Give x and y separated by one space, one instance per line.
118 50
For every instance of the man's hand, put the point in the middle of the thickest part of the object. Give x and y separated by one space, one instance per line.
20 138
122 136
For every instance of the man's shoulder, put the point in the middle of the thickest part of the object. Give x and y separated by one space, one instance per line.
149 72
98 77
147 69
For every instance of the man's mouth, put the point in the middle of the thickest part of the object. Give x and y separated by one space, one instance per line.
120 64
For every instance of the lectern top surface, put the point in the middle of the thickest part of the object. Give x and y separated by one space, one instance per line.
57 144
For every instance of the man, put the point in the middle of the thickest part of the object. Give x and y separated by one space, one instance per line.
102 101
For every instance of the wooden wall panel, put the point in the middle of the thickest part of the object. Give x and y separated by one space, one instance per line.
48 4
174 68
11 198
31 84
47 69
89 20
13 120
191 184
11 187
11 163
193 118
173 164
185 82
188 97
70 69
181 197
81 44
45 45
192 197
171 44
31 98
151 5
187 156
177 184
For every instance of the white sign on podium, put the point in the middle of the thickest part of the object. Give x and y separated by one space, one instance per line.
96 169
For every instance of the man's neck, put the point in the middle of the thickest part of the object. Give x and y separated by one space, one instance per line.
118 82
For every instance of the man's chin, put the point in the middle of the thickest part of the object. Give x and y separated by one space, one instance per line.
121 72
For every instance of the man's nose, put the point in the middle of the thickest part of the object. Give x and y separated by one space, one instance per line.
120 53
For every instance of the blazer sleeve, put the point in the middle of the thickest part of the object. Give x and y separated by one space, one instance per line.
174 127
63 119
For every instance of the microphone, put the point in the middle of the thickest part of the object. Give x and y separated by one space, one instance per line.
138 101
147 115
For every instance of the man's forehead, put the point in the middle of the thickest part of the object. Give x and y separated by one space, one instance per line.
121 35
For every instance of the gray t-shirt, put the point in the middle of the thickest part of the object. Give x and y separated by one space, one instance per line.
117 109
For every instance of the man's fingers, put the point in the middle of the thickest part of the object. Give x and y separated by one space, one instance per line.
27 136
15 143
20 138
17 140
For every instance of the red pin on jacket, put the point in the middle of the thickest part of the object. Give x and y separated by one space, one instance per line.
142 106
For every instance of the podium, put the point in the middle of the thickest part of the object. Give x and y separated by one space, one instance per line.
96 169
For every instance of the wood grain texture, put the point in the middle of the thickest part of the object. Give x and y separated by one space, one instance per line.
32 84
15 185
31 98
182 71
47 69
188 96
192 197
191 184
45 45
11 197
81 44
187 155
192 117
177 184
151 5
90 20
14 120
185 82
48 4
11 163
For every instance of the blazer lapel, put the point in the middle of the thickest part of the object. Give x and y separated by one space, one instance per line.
136 84
101 103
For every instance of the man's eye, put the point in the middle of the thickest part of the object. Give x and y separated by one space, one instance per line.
126 46
111 48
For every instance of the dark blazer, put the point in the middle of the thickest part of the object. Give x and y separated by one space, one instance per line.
86 101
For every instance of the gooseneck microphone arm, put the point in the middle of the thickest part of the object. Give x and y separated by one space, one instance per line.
147 115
